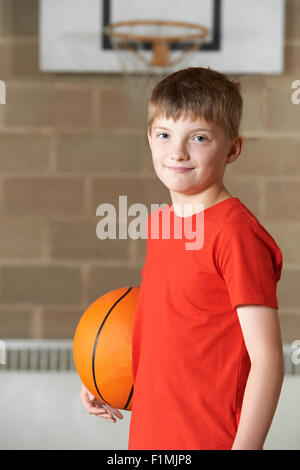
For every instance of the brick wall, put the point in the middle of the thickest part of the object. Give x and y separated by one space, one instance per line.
68 144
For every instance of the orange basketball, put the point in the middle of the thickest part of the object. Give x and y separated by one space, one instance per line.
102 347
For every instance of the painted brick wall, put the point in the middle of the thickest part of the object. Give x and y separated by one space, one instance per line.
68 144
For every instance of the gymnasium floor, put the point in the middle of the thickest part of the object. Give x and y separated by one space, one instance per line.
41 410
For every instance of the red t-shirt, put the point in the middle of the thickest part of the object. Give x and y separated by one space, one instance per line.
189 360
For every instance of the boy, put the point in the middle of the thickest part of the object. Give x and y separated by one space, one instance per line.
206 347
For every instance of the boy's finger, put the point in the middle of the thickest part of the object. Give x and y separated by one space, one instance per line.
102 413
98 411
114 410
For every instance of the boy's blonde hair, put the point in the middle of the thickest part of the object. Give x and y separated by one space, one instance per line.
198 92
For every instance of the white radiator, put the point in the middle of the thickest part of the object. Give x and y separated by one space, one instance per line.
57 355
37 355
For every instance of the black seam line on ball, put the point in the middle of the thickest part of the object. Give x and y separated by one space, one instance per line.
129 398
96 340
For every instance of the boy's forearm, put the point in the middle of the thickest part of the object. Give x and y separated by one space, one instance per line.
259 403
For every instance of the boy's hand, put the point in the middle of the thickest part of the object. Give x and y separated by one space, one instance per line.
97 407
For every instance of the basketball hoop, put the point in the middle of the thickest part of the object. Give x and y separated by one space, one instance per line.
148 50
161 44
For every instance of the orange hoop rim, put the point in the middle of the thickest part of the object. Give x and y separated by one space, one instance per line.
110 29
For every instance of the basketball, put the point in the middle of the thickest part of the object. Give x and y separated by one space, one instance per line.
102 347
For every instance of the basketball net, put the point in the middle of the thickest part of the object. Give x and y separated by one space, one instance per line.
148 51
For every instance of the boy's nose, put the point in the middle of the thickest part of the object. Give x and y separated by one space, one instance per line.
179 153
178 158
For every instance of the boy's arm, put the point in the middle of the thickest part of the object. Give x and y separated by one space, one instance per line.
262 336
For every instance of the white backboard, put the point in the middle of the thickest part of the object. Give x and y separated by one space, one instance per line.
245 36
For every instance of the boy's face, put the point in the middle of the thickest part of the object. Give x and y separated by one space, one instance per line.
198 146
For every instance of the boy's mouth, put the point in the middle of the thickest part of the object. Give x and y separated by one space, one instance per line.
179 169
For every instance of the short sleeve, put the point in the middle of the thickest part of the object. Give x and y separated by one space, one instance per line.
250 263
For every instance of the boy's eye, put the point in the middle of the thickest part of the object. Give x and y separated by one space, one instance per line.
161 134
197 137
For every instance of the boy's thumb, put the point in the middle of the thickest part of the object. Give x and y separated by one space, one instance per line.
90 395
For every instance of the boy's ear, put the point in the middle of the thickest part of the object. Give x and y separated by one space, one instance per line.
235 149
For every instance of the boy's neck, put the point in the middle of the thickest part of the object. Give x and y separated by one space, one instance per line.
208 198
